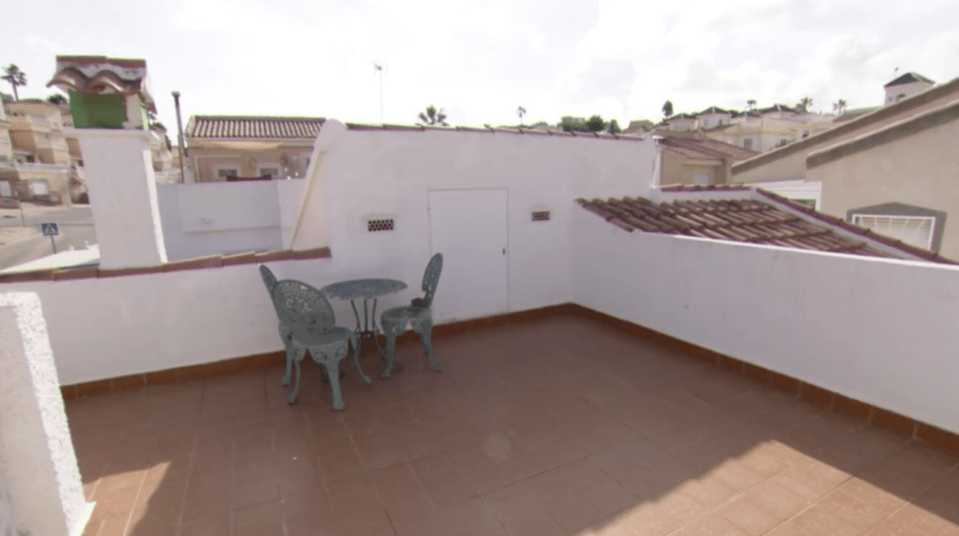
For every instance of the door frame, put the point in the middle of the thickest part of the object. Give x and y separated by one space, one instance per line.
429 220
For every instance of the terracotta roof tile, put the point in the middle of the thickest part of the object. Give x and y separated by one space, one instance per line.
254 127
766 220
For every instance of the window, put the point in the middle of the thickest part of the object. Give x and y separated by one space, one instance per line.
271 171
40 186
5 190
748 143
226 172
913 230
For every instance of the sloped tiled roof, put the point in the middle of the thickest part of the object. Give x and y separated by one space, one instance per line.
254 127
908 78
681 116
762 219
497 130
700 148
777 108
714 110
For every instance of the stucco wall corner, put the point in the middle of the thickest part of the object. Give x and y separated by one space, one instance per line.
37 461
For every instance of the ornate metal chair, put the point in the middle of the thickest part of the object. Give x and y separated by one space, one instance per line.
309 316
419 315
285 331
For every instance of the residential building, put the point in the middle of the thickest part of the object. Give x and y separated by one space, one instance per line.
789 161
899 179
40 168
904 86
682 122
221 147
702 161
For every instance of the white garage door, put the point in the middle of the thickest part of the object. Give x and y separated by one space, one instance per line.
914 230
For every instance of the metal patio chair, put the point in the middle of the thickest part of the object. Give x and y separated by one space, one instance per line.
307 312
418 315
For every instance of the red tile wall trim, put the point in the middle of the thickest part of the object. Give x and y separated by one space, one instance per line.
814 394
199 263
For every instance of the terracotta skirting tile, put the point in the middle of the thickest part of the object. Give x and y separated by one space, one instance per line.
786 383
130 271
69 392
199 263
27 277
269 256
817 395
938 436
125 383
239 258
99 387
731 364
77 273
753 372
893 421
851 406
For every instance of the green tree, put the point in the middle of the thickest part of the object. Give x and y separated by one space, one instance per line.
432 116
804 104
839 106
57 98
750 105
595 123
521 112
613 127
16 77
668 109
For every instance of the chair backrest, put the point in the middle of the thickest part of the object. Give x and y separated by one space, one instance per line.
431 278
268 279
299 304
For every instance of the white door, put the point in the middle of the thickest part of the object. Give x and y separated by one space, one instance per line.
5 189
469 227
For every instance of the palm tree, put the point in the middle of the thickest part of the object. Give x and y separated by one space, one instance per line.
804 104
839 106
433 116
751 105
57 98
668 109
521 112
16 77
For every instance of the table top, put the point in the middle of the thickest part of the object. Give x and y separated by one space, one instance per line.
363 288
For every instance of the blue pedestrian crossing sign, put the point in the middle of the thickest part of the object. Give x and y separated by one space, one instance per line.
49 229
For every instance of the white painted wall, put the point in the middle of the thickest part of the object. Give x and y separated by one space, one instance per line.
40 488
227 217
120 178
356 174
877 330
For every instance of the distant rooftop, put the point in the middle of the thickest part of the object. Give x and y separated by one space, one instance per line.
909 78
253 127
705 148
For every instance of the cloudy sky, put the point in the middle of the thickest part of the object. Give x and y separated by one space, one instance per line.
480 59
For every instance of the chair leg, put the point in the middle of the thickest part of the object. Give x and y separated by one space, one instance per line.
285 337
391 333
355 342
298 355
333 371
425 331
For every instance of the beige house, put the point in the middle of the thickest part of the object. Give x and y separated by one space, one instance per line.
222 147
756 130
789 162
36 162
900 180
906 85
697 160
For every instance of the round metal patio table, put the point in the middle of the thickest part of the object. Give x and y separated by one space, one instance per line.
365 289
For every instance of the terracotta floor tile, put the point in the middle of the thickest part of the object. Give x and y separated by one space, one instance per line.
749 516
529 430
777 500
711 525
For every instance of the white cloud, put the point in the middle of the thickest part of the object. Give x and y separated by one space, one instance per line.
480 59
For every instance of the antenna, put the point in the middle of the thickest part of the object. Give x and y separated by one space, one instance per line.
379 70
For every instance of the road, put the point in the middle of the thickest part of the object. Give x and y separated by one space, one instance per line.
76 230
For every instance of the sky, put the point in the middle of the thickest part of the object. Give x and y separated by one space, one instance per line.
480 60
